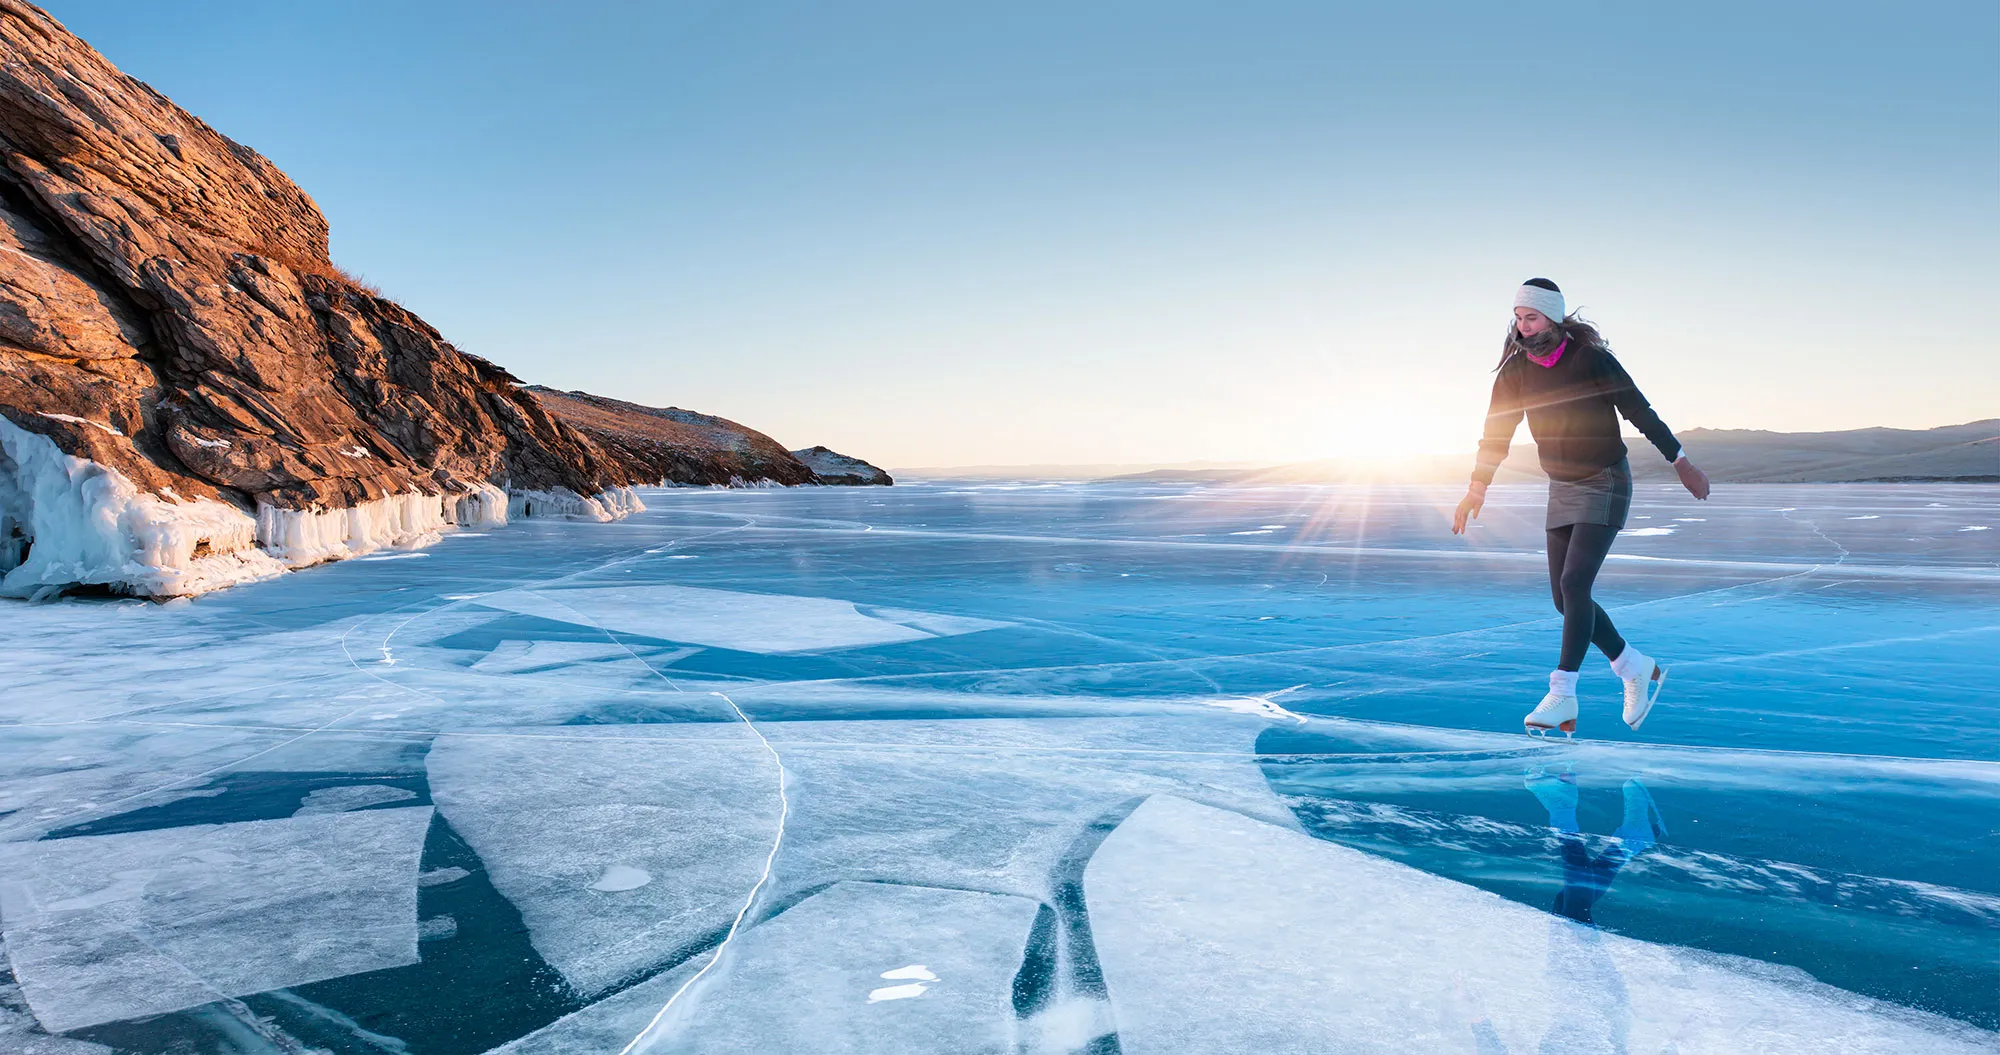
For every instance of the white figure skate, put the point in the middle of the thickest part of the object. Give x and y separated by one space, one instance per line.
1641 693
1556 711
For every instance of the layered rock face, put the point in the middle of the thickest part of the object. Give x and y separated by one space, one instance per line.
668 445
192 393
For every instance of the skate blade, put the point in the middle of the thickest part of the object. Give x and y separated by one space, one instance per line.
1568 729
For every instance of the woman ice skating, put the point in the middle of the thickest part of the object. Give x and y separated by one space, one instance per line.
1557 371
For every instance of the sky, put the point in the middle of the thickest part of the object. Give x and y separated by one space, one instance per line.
1139 232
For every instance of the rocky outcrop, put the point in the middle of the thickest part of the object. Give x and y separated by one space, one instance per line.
832 467
668 445
193 394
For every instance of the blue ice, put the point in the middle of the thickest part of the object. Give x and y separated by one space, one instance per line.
964 767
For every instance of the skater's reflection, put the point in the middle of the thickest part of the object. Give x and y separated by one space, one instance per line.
1587 877
1595 1013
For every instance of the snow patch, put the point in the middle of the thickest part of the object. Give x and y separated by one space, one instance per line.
897 992
1651 531
74 420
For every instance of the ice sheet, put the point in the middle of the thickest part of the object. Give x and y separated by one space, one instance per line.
552 816
1358 675
836 963
102 928
746 622
1219 933
992 804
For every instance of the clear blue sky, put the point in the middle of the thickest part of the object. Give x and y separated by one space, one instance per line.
934 233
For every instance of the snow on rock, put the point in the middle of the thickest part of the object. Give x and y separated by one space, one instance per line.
555 816
483 506
102 928
67 521
603 507
1221 934
301 537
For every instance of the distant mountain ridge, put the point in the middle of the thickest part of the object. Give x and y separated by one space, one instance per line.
1968 453
668 445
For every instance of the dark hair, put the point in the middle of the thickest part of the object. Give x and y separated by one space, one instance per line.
1575 329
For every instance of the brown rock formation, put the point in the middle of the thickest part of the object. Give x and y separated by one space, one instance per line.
668 445
833 467
176 343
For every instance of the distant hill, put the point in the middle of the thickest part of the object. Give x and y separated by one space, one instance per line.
671 445
1968 453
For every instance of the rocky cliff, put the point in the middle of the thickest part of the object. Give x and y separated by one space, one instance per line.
668 445
191 393
833 467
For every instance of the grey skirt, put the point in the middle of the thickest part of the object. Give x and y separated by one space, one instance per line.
1604 497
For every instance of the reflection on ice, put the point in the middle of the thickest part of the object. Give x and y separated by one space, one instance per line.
1222 934
1020 769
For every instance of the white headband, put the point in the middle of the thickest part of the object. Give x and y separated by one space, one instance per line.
1547 301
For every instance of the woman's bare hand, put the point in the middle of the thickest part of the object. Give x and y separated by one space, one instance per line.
1692 478
1468 507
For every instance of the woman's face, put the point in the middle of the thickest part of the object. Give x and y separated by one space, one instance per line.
1530 323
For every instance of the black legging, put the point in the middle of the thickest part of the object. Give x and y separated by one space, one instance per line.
1576 552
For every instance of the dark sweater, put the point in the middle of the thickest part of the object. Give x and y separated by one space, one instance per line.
1572 410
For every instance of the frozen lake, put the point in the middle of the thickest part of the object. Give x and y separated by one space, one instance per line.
984 768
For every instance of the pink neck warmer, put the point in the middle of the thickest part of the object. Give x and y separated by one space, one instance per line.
1552 356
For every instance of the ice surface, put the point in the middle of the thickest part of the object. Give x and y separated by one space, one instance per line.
351 797
101 928
992 804
1219 933
822 962
554 816
971 688
746 622
825 975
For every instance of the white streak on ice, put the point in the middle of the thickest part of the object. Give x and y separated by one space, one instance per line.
916 970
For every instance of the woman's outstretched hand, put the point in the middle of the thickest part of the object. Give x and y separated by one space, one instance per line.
1473 502
1692 478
